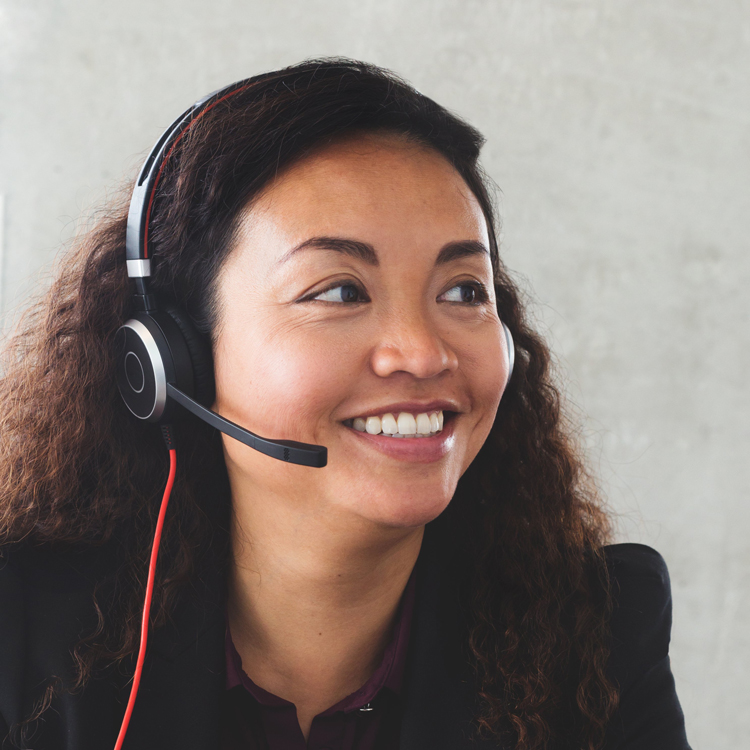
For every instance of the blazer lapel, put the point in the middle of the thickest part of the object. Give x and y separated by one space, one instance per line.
439 703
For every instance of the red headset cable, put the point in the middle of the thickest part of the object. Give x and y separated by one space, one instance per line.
168 438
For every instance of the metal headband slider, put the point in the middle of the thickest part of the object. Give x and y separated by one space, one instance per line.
138 269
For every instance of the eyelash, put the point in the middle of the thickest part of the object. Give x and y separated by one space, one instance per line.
481 294
480 291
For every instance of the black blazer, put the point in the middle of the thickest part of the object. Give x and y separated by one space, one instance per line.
45 605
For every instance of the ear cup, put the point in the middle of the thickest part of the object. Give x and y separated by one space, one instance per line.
511 352
200 354
152 351
144 366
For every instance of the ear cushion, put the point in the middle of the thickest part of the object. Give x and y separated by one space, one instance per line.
511 352
200 354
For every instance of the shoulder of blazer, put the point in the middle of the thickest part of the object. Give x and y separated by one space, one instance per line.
440 704
12 643
47 605
642 614
649 716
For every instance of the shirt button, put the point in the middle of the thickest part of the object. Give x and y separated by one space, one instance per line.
367 707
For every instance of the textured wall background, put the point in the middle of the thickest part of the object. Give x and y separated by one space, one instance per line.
619 135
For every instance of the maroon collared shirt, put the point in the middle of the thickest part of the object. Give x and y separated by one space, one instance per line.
368 719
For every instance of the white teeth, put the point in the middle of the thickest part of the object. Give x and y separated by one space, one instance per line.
406 425
423 424
389 424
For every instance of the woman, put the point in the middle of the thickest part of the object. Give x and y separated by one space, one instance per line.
443 582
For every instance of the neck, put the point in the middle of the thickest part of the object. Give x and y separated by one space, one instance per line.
312 602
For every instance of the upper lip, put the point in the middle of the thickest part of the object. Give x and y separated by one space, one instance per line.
412 407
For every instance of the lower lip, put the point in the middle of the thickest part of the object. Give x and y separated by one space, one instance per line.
423 450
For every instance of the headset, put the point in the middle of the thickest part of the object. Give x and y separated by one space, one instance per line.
160 356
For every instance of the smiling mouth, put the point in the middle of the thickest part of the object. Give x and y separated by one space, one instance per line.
402 425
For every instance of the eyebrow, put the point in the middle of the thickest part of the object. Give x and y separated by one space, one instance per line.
364 251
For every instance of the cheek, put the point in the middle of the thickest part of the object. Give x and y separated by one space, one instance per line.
486 366
284 385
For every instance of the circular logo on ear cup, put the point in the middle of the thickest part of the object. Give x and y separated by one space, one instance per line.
134 372
141 378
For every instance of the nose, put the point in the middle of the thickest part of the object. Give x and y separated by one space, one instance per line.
410 342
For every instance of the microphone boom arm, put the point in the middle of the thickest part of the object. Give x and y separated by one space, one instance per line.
304 454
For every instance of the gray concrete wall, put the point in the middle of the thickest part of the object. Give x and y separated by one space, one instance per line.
619 133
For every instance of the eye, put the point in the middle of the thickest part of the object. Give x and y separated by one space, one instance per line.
467 293
341 293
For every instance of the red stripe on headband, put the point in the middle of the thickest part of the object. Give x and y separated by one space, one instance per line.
169 153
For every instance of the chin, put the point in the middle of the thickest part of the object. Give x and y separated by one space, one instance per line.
405 511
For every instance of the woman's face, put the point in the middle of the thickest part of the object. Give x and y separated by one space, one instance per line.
360 286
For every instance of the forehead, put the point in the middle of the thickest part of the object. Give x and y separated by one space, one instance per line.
378 188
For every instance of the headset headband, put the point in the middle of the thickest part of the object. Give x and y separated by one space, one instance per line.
136 241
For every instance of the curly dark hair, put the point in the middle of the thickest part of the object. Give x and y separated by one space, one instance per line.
76 470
